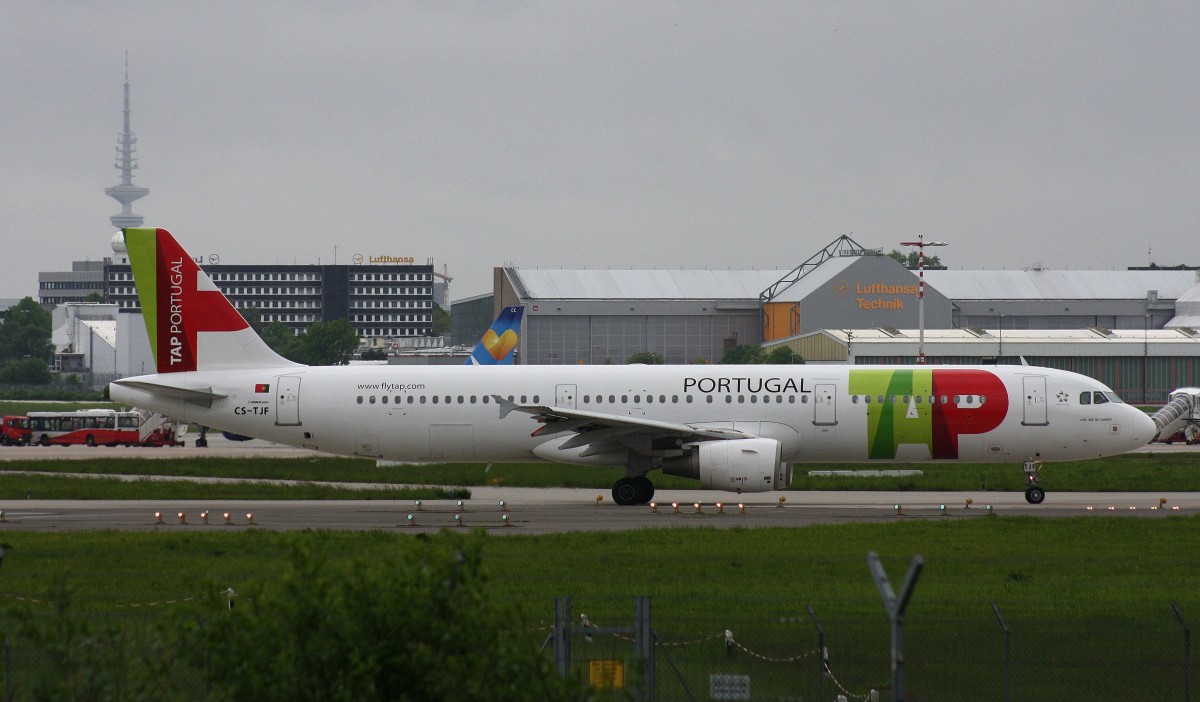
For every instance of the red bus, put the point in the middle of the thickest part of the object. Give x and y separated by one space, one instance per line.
96 427
14 431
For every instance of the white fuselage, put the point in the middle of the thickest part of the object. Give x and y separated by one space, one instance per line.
816 413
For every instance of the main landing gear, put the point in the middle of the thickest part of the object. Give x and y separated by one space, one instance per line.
202 440
635 490
1033 494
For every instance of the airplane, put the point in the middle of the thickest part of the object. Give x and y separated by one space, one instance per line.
498 346
734 428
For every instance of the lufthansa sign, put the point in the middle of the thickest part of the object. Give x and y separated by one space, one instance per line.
875 296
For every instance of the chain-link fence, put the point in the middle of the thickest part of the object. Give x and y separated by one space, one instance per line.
624 649
981 653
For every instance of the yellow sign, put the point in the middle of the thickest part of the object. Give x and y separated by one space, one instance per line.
391 259
608 674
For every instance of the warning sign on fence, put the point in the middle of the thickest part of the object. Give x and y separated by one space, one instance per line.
607 674
729 687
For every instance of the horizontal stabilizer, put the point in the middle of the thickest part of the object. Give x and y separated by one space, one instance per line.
197 396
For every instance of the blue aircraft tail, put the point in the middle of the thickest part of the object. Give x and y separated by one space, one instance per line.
499 344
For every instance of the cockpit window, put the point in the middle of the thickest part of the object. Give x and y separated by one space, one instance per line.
1085 398
1112 397
1098 398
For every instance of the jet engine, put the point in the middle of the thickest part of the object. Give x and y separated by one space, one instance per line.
736 465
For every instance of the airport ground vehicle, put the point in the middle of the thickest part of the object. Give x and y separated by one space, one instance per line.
100 427
14 431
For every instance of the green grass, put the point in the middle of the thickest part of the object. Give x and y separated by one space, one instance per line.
1130 472
1088 599
53 487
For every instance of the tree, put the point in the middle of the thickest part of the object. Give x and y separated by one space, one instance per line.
911 260
413 621
747 354
647 357
441 320
329 343
26 371
782 355
743 354
94 297
26 332
281 339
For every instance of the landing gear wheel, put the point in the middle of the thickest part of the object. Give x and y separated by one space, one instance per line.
626 491
645 490
201 442
1035 495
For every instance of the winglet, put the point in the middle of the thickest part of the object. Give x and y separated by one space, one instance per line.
191 324
499 343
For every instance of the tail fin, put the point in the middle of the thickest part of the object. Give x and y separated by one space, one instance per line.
499 344
191 324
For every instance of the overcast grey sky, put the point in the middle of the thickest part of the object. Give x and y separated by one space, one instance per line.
605 134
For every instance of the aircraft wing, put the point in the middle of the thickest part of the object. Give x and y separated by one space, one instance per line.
600 432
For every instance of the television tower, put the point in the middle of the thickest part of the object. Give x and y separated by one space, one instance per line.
125 193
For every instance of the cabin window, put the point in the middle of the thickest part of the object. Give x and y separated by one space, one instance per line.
729 399
585 399
447 399
854 399
766 399
982 399
486 400
689 399
637 399
460 399
472 399
371 399
384 399
791 399
612 399
804 399
708 399
422 399
741 399
435 399
624 399
663 398
360 399
957 399
753 399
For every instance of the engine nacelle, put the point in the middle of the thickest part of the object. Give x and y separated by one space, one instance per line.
736 465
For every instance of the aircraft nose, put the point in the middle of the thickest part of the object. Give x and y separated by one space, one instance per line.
1143 427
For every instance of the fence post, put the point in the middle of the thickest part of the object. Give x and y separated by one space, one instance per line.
1187 654
562 635
1007 670
896 604
821 663
643 638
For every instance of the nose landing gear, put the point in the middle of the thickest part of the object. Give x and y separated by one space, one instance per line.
1033 494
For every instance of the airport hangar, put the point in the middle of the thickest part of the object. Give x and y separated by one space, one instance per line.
1131 329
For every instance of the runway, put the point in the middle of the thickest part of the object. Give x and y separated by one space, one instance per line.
542 510
550 510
